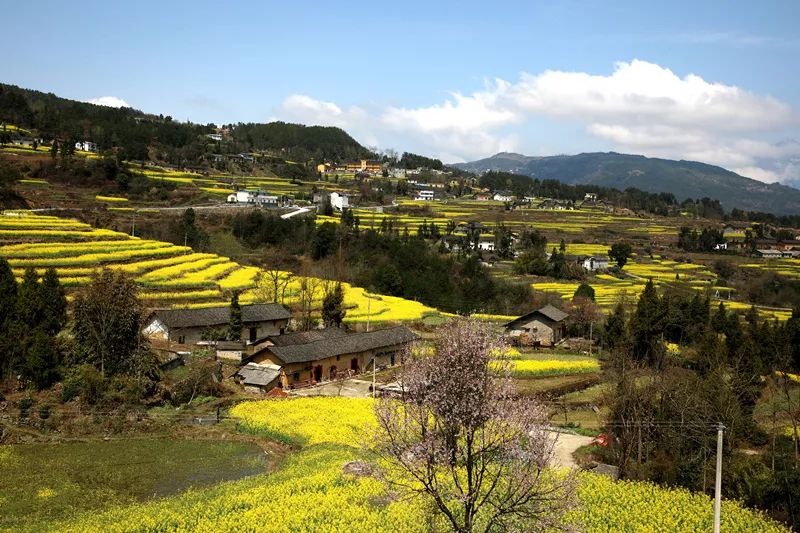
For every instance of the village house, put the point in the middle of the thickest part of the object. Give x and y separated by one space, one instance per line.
558 205
340 200
503 196
233 351
333 355
590 200
543 327
426 195
187 326
486 244
86 146
767 253
593 263
253 198
258 378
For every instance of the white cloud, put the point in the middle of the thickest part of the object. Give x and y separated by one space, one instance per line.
640 107
307 110
109 101
758 173
645 93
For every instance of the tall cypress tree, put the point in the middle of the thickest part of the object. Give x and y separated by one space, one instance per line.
333 307
29 299
614 334
8 293
235 321
647 324
54 303
9 347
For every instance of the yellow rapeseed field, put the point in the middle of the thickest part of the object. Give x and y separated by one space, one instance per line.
310 493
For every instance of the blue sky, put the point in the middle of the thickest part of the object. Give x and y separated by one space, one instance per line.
716 81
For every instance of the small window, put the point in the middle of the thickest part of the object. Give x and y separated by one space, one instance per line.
181 339
282 330
337 357
296 376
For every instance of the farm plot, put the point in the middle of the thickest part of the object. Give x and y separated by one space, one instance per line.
785 267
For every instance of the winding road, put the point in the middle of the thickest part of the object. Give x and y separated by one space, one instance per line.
566 445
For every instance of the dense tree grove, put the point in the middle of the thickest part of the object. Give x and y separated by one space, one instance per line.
691 240
389 261
409 160
32 313
303 142
665 403
631 198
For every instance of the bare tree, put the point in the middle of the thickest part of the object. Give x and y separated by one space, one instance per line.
308 292
271 285
461 440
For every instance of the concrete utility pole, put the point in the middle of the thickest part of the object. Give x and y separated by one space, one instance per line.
718 484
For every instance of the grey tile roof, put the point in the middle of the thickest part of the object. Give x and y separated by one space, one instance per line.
230 345
342 345
218 316
260 375
304 337
553 313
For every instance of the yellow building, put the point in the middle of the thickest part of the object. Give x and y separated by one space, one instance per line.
363 165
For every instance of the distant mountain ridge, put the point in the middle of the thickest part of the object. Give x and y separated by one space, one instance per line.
685 179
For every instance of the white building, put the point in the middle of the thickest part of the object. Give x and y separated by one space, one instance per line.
486 245
215 136
86 146
253 198
594 263
504 196
339 200
425 194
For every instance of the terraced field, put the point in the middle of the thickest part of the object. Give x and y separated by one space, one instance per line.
221 184
169 275
570 224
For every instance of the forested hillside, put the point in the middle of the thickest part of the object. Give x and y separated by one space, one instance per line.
141 136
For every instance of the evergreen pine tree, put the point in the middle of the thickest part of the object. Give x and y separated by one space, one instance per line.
615 331
235 322
647 324
333 311
8 293
41 359
54 303
29 299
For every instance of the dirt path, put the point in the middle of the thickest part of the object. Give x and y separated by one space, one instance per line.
566 444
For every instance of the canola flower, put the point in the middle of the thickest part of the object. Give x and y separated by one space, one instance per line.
642 506
315 420
525 368
310 493
101 198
